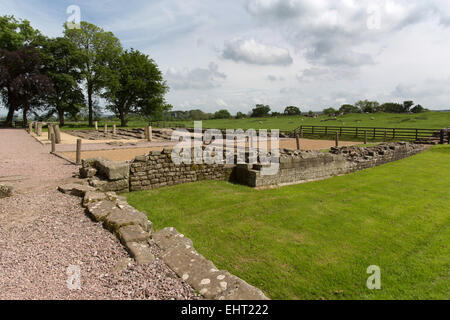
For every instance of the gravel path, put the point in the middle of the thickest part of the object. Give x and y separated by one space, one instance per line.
43 232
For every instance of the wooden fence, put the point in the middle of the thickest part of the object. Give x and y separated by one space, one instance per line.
371 132
166 124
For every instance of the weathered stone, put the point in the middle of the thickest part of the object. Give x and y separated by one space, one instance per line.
93 196
113 170
5 191
133 233
140 252
169 237
121 217
75 189
87 172
101 209
238 289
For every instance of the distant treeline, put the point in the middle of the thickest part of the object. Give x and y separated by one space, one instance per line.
261 110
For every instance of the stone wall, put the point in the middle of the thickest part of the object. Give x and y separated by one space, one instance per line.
304 166
106 175
157 170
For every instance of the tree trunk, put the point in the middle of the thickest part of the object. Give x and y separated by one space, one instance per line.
123 119
61 117
91 109
25 120
9 117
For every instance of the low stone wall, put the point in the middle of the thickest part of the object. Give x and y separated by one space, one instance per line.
106 175
304 166
157 170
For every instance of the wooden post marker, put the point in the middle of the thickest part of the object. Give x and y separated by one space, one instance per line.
337 139
30 127
96 125
105 129
78 151
385 136
52 138
297 139
149 133
365 137
114 129
57 133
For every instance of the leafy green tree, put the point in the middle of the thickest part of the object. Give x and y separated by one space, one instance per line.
407 105
329 111
14 35
292 111
392 107
22 84
100 50
348 108
136 86
418 109
367 106
222 114
62 63
240 115
260 110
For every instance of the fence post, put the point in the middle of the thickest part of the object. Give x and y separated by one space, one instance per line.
105 128
340 132
96 125
30 127
357 129
312 129
365 136
374 133
393 133
53 139
297 139
326 130
337 139
417 134
150 133
57 133
301 132
78 151
114 129
385 136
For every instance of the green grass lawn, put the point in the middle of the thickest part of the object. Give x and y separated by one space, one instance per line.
316 240
427 120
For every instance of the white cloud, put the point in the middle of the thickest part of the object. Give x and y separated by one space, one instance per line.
198 78
252 52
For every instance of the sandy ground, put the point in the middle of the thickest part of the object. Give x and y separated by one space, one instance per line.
69 139
126 154
44 232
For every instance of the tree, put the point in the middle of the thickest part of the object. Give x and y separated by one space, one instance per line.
22 84
222 114
14 35
329 111
260 110
407 105
100 50
136 85
240 115
418 109
292 111
392 107
348 108
367 106
62 62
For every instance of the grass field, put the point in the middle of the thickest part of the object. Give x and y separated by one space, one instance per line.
316 240
427 120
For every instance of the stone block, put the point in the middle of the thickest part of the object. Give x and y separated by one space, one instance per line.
140 252
74 189
133 233
113 170
87 172
123 217
101 209
93 196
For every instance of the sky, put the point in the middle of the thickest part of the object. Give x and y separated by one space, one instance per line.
312 54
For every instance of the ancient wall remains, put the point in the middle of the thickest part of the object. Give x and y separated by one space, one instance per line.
157 170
